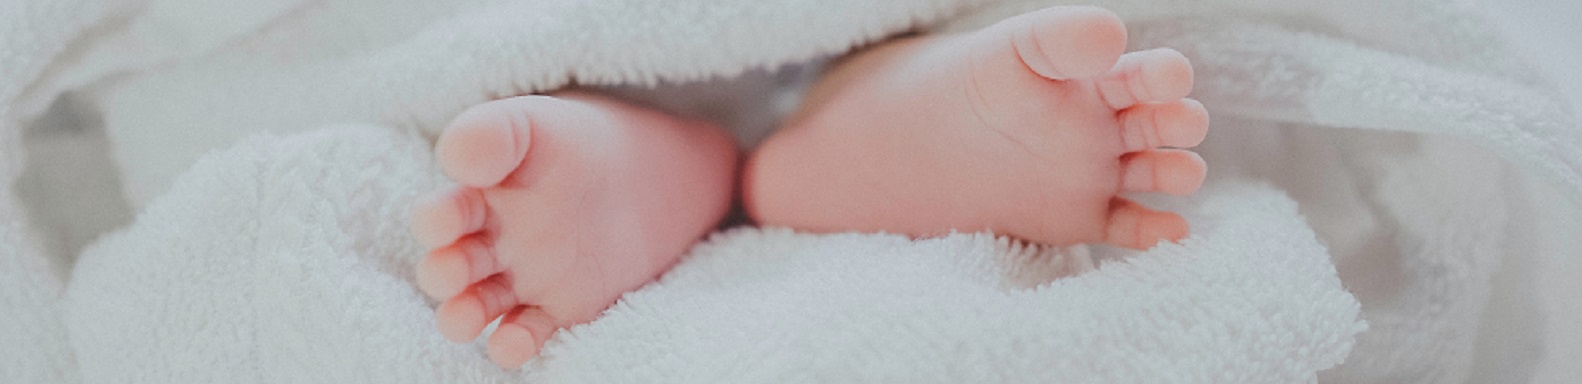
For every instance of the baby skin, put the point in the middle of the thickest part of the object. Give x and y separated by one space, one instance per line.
1028 128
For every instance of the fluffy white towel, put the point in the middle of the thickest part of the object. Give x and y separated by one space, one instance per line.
320 289
32 348
416 64
1435 236
1419 226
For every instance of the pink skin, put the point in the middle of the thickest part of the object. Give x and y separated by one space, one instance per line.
1028 128
566 203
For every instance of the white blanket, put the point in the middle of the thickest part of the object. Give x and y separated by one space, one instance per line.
32 337
283 259
321 290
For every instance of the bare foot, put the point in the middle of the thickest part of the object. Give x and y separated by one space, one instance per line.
1029 128
566 203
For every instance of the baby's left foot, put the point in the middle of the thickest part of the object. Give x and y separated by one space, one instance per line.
1028 128
567 202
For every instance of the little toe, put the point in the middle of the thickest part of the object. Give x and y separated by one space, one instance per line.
520 336
450 269
1158 75
486 143
1172 171
463 317
442 218
1068 42
1179 124
1134 226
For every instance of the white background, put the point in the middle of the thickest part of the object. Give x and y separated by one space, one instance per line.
1550 33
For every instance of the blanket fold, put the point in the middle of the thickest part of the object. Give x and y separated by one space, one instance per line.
273 150
322 289
32 337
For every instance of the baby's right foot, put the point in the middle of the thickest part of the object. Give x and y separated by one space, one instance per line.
566 203
1029 128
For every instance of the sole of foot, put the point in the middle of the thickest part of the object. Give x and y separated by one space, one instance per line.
1032 128
565 203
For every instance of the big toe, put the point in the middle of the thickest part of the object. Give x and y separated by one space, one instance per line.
1068 42
486 143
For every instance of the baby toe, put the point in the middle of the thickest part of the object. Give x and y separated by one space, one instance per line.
1158 75
1180 124
1133 226
1171 171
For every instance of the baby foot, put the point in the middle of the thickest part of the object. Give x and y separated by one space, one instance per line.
565 204
1029 128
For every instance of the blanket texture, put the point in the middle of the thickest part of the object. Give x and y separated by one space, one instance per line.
1408 138
31 333
1418 225
322 290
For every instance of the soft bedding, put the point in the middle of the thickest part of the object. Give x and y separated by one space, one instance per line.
1373 166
